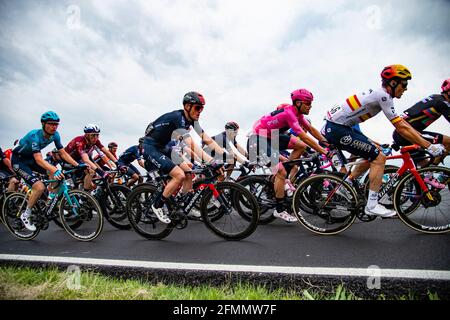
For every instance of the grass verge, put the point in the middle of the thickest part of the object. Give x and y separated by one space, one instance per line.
53 284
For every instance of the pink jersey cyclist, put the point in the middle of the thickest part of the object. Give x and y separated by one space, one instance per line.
284 118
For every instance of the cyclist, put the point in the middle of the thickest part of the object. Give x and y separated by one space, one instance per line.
175 125
279 121
103 161
6 170
225 139
81 149
421 115
27 158
361 107
127 157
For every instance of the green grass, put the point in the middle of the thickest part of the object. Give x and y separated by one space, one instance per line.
43 284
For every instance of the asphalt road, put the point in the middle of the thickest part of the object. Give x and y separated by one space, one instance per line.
388 244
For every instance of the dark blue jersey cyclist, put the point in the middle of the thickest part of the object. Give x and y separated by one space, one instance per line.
175 125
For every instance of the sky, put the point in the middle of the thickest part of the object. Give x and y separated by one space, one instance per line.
121 64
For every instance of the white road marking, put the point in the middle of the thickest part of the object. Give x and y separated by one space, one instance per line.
312 271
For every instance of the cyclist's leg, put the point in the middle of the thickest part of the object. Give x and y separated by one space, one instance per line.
298 148
13 184
24 169
357 143
187 182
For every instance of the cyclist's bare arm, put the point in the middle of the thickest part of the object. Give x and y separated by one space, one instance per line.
212 145
141 163
109 154
44 164
67 158
7 163
410 134
310 142
197 150
316 133
88 161
242 150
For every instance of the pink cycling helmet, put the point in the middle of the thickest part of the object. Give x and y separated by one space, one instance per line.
302 95
446 86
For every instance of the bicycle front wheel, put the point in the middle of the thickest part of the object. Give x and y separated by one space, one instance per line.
325 204
226 221
425 212
142 218
82 210
13 206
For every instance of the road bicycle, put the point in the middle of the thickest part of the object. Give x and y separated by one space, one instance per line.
419 202
112 198
78 211
262 187
219 207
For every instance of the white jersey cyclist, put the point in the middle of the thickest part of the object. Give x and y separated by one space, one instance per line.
363 106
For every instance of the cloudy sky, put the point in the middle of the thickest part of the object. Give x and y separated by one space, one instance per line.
121 64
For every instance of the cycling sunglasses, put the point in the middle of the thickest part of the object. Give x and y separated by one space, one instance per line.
198 107
404 83
54 124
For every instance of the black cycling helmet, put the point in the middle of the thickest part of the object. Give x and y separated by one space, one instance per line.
193 98
112 145
232 126
141 140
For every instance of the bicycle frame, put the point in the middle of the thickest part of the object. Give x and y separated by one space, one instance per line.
408 165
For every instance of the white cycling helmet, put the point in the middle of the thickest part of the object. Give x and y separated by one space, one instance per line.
91 128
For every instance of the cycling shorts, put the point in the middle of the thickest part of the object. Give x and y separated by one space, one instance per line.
351 140
26 168
155 157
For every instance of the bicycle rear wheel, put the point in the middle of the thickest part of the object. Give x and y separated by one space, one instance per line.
420 211
227 222
81 209
263 190
322 208
13 206
143 220
2 200
114 206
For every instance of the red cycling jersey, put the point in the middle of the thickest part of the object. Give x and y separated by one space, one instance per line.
78 146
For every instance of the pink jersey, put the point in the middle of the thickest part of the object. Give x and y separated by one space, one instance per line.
284 118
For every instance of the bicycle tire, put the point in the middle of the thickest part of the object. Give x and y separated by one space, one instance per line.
2 200
263 190
336 217
140 214
230 199
85 208
116 216
10 214
416 219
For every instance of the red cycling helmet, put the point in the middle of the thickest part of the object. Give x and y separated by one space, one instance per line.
445 86
303 95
